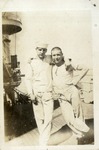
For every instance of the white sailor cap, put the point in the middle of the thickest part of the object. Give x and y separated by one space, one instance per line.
41 45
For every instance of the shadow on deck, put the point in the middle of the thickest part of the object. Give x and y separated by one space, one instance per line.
20 127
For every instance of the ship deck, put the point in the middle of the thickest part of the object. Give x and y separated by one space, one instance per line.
61 134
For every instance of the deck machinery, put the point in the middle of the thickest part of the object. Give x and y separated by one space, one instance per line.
11 24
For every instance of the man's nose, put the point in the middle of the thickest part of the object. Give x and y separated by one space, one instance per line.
56 56
41 51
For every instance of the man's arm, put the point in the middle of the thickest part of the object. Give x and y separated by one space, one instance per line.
83 72
28 81
70 66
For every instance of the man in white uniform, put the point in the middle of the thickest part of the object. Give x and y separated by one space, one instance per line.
39 86
66 92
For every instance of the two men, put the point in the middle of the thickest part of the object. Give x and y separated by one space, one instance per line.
39 75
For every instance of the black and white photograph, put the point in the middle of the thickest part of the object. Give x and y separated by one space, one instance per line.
48 78
59 92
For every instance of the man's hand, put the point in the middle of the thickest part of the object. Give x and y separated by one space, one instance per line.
55 96
33 99
69 68
32 96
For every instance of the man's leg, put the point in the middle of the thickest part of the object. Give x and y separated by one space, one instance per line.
39 115
78 111
75 100
48 113
68 114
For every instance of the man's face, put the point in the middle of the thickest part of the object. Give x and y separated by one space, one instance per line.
41 52
57 56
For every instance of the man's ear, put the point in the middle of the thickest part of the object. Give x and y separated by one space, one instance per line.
63 58
52 61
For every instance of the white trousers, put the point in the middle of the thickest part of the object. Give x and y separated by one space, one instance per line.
72 110
71 94
43 114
